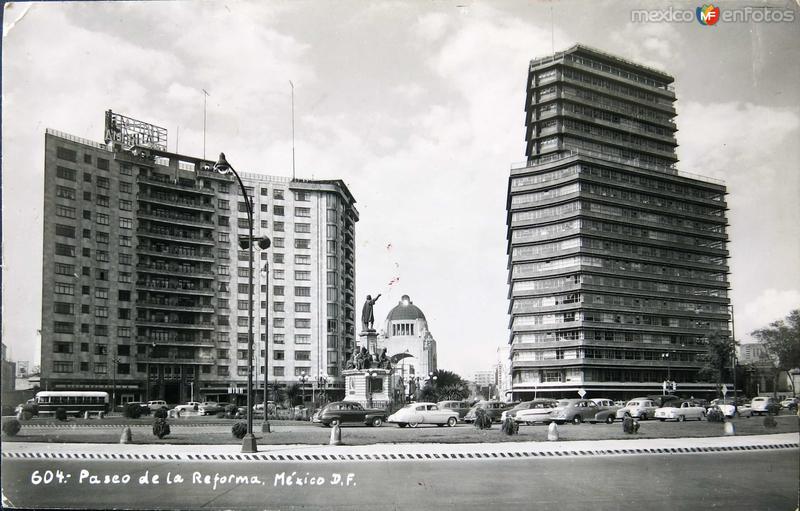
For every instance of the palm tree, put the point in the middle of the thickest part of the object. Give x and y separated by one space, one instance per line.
293 394
447 385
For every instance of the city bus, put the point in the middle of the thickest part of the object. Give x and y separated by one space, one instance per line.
75 402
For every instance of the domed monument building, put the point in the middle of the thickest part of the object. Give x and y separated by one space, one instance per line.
406 331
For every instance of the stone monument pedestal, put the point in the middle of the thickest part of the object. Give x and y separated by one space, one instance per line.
372 388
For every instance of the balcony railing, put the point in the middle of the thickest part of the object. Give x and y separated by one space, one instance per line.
174 185
192 220
174 200
176 252
174 236
173 269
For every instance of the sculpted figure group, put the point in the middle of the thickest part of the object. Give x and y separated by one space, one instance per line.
364 360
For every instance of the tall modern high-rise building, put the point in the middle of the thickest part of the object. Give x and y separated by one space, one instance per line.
145 288
618 266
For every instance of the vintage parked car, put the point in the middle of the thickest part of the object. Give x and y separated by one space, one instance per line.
191 406
607 410
574 411
532 412
742 409
791 403
680 411
157 405
641 408
423 413
211 407
340 412
461 407
494 409
762 405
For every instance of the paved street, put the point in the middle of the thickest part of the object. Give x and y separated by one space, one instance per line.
737 473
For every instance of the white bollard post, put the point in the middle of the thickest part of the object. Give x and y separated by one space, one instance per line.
86 414
730 430
552 432
126 437
336 435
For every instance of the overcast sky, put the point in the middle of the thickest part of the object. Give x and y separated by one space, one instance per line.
418 107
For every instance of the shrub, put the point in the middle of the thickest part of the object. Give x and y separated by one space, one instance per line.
239 430
11 427
482 419
773 408
29 410
61 414
715 415
132 411
770 422
160 414
160 428
630 425
220 415
510 427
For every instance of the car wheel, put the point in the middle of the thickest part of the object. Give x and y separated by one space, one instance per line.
402 424
451 422
662 420
577 419
702 416
377 422
643 417
335 422
610 419
681 418
413 424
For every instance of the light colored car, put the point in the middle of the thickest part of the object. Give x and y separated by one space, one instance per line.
157 405
190 406
791 403
423 413
680 411
461 407
538 410
762 405
639 408
574 411
728 410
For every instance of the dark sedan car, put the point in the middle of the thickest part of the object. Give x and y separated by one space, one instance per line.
494 409
341 412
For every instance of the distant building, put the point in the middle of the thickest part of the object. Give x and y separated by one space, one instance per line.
406 332
23 368
503 370
753 353
9 372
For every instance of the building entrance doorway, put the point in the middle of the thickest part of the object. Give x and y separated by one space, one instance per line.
172 392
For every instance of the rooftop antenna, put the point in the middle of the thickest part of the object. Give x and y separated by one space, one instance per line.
292 84
205 96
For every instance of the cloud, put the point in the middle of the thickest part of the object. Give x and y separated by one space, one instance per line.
432 26
771 305
650 44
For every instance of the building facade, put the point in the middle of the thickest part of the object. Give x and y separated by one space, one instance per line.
406 332
145 288
618 266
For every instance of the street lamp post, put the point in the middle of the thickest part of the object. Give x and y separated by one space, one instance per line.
665 356
733 336
223 167
114 361
265 425
303 379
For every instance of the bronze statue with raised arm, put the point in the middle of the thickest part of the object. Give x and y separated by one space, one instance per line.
367 315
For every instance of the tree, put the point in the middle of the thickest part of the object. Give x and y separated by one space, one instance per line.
718 356
294 394
446 386
781 340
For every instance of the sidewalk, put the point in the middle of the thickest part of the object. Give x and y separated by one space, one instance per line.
400 451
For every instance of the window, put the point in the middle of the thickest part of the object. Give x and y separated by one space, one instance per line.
223 371
241 355
125 187
102 256
87 177
86 290
125 169
123 331
277 290
302 228
276 274
277 371
102 237
278 338
264 224
301 196
65 173
302 355
101 312
125 259
65 269
65 250
87 252
101 293
102 182
101 330
278 322
125 223
102 163
124 296
265 208
243 272
302 307
124 277
243 223
100 368
302 291
242 207
242 321
277 355
87 234
101 274
243 305
65 211
302 259
64 308
222 270
65 192
85 347
223 221
86 308
224 188
63 327
302 323
62 367
124 241
125 205
302 243
264 192
302 339
87 196
277 258
102 219
277 226
303 212
277 194
278 306
302 275
67 231
278 242
224 237
277 210
223 204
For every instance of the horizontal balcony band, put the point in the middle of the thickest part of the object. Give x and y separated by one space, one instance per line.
608 363
595 270
620 327
148 268
658 347
152 342
176 254
666 107
142 214
180 360
174 185
175 307
182 204
176 290
149 233
175 325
